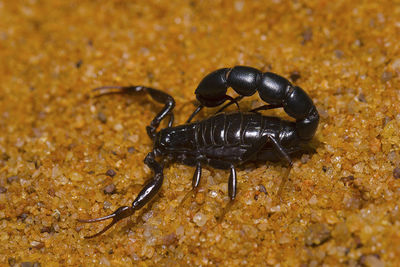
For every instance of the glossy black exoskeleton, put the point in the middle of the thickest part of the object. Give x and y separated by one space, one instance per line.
224 140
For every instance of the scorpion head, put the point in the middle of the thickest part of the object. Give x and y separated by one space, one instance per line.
165 141
173 140
161 142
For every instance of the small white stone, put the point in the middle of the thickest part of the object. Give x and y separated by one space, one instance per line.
118 127
180 230
313 200
200 219
239 5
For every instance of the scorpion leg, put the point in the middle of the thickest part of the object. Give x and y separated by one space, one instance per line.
197 110
232 183
232 189
226 97
171 119
285 156
195 183
157 95
257 147
145 195
233 101
196 176
266 107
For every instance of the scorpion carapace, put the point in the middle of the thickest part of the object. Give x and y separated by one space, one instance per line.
224 140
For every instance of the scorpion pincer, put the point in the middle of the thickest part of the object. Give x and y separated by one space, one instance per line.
224 140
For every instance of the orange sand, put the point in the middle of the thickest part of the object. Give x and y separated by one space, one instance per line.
340 205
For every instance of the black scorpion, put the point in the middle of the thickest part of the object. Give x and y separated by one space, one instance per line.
224 140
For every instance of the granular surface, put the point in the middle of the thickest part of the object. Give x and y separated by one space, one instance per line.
66 155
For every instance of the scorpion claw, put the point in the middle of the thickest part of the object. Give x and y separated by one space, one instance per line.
108 90
119 214
106 87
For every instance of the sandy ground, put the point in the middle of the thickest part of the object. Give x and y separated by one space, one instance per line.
65 155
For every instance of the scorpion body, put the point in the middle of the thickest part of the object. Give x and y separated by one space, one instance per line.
225 140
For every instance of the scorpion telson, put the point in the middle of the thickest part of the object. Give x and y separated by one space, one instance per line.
225 140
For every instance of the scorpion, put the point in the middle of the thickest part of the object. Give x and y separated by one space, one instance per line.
224 140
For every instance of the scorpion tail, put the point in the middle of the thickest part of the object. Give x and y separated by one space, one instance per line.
157 95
